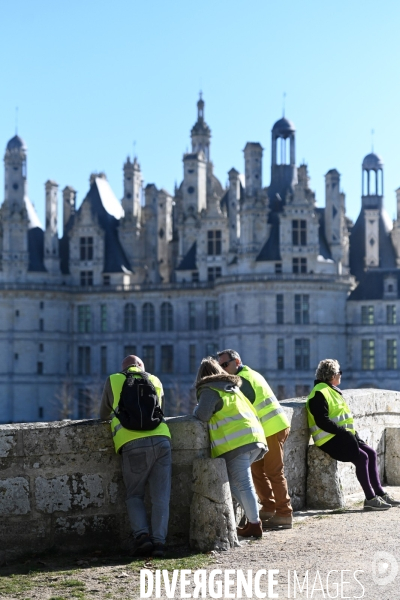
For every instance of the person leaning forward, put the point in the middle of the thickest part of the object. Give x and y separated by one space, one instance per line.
268 474
146 458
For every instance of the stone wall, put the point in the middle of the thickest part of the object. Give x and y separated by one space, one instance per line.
61 486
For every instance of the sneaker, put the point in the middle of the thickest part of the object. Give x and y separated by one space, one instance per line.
141 545
376 503
277 522
390 500
265 515
159 550
250 530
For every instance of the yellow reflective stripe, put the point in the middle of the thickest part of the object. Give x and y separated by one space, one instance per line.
271 414
227 420
265 402
234 435
320 436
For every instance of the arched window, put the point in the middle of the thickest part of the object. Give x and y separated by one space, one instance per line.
167 316
130 317
148 317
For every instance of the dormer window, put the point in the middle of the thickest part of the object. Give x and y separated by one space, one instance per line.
86 248
299 232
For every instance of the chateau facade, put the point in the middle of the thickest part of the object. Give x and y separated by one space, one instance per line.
175 277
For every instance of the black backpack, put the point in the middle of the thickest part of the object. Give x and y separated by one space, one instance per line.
138 407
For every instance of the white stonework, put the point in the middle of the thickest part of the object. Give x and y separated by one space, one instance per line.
176 276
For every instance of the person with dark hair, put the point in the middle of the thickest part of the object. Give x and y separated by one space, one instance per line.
145 453
268 474
332 428
235 435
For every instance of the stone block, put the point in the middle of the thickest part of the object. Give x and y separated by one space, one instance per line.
8 441
392 456
83 533
25 536
212 520
65 493
188 433
14 496
324 490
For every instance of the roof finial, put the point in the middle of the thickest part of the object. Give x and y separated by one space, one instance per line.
16 120
283 104
372 139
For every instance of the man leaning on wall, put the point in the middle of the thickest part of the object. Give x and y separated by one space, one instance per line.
145 454
268 473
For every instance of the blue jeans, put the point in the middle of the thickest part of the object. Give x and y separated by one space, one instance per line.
241 482
148 460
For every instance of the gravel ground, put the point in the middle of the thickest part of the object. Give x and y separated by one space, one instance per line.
330 546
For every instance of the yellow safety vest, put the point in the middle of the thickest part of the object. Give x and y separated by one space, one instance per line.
339 412
121 435
270 412
235 425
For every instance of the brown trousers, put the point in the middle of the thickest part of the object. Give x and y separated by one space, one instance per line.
269 478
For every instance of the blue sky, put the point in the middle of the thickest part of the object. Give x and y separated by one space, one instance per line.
91 77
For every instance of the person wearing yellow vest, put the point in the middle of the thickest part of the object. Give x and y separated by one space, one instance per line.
146 459
236 435
332 429
268 474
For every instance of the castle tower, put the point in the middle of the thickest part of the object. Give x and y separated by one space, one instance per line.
372 203
283 162
201 133
51 254
253 153
234 209
131 201
335 225
69 202
14 210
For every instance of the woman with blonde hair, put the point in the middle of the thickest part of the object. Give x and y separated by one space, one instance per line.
332 428
235 435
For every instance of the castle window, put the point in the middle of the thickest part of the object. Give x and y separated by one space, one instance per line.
167 316
41 324
130 317
280 353
299 265
41 305
17 313
302 354
301 390
211 349
299 232
279 309
84 319
281 392
167 359
212 314
368 355
41 412
84 404
278 268
214 242
148 356
129 349
367 315
391 354
192 358
195 276
103 360
213 273
86 278
301 309
40 368
391 315
148 317
86 248
103 318
106 280
83 360
192 316
41 348
190 189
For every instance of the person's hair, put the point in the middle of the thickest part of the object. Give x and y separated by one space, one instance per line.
208 366
327 369
231 353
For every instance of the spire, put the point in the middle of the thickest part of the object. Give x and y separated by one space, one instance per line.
200 107
201 132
